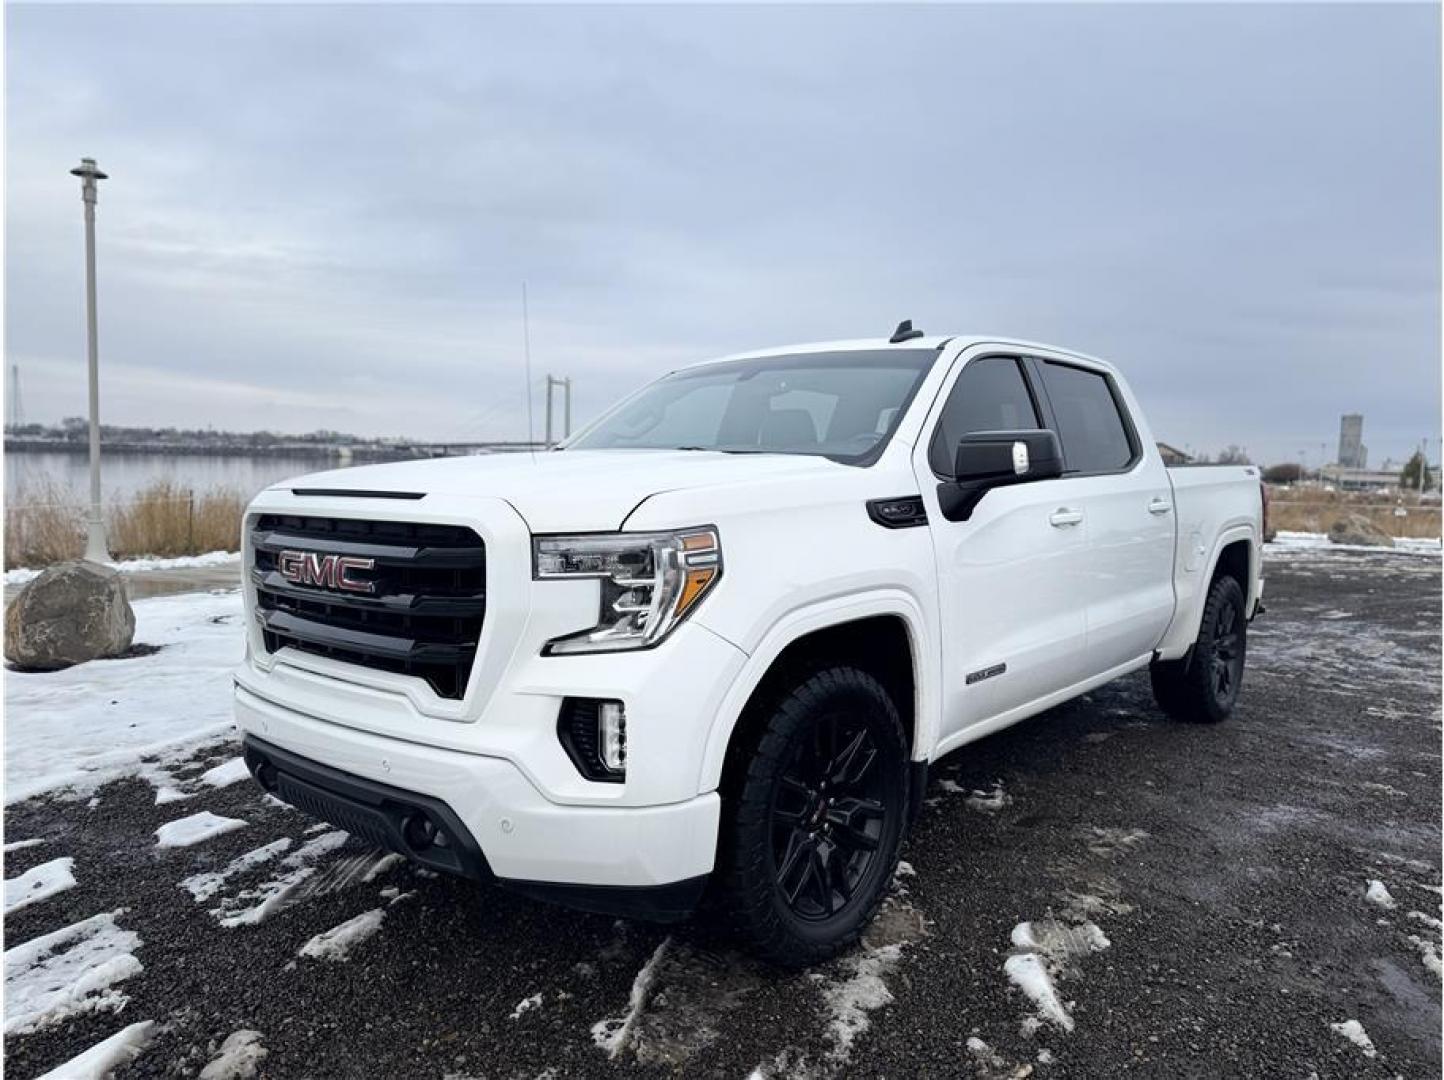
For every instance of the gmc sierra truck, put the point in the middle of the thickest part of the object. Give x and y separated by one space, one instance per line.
712 642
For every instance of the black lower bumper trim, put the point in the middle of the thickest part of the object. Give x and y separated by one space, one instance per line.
668 903
420 827
396 819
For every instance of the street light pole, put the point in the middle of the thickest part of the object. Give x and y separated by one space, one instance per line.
95 547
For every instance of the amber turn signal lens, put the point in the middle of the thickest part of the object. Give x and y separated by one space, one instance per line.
693 588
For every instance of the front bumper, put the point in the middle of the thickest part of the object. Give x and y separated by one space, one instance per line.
504 826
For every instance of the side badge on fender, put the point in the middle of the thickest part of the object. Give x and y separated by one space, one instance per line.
985 673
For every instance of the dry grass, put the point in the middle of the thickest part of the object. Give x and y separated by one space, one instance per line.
1305 510
167 520
46 523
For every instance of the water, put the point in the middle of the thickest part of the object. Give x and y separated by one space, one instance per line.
122 475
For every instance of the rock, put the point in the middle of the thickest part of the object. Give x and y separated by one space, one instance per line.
1357 529
73 612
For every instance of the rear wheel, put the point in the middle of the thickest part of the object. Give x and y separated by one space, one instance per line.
1205 687
811 839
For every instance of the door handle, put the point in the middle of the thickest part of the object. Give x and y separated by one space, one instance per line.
1159 506
1063 517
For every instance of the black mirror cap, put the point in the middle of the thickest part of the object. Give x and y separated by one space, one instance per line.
991 459
990 456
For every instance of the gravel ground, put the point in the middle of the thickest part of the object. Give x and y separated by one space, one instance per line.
1224 867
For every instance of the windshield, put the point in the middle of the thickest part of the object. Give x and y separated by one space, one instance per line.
841 405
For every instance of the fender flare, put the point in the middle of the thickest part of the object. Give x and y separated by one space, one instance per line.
800 622
1184 630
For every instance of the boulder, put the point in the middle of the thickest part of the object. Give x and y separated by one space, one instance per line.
1357 529
73 612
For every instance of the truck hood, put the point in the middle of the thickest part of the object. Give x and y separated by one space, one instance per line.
572 490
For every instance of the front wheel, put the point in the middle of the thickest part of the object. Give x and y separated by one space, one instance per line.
1205 687
811 839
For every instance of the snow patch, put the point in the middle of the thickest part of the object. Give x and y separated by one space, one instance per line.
988 802
1107 842
985 802
1429 953
1428 920
1383 789
230 772
239 1057
20 845
336 943
205 885
1355 1033
69 971
1286 541
100 1060
96 722
23 575
526 1005
1377 894
383 864
301 879
988 1063
612 1035
196 829
1045 952
1029 973
861 990
39 883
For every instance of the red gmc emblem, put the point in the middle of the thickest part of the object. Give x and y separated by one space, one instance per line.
327 571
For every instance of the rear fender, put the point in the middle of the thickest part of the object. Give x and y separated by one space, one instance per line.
1192 576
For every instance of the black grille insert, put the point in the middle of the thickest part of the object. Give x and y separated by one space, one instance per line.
425 612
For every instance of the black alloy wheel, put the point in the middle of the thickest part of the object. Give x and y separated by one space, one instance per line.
828 816
814 812
1226 662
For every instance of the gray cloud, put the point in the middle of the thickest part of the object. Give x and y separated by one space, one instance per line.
321 216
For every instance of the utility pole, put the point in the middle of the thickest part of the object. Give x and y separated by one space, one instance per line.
566 387
95 547
17 410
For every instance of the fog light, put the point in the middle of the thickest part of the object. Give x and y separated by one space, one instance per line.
612 735
593 732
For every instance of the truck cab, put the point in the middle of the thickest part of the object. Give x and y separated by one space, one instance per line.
713 641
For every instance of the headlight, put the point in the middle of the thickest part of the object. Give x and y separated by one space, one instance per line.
650 581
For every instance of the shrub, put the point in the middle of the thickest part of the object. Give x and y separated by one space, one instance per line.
45 523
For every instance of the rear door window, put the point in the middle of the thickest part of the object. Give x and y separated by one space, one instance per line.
1095 437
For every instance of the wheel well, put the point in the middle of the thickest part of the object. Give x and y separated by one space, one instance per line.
1233 561
878 645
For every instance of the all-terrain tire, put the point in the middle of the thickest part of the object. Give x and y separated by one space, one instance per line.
1204 688
793 904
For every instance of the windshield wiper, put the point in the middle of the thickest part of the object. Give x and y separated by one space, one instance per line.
720 450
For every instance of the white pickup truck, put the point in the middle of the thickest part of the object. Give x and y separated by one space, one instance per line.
713 642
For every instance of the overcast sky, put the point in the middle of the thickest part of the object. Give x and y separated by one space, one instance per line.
322 216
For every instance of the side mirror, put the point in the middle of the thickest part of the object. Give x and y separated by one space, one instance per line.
990 459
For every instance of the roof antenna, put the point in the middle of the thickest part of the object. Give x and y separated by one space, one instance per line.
904 332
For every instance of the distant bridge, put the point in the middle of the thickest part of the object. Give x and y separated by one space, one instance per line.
221 448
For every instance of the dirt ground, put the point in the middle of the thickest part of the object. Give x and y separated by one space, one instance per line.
1194 899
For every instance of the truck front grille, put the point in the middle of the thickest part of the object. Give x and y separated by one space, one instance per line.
422 615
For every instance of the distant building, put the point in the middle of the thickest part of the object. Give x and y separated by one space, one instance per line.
1172 455
1346 479
1353 454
